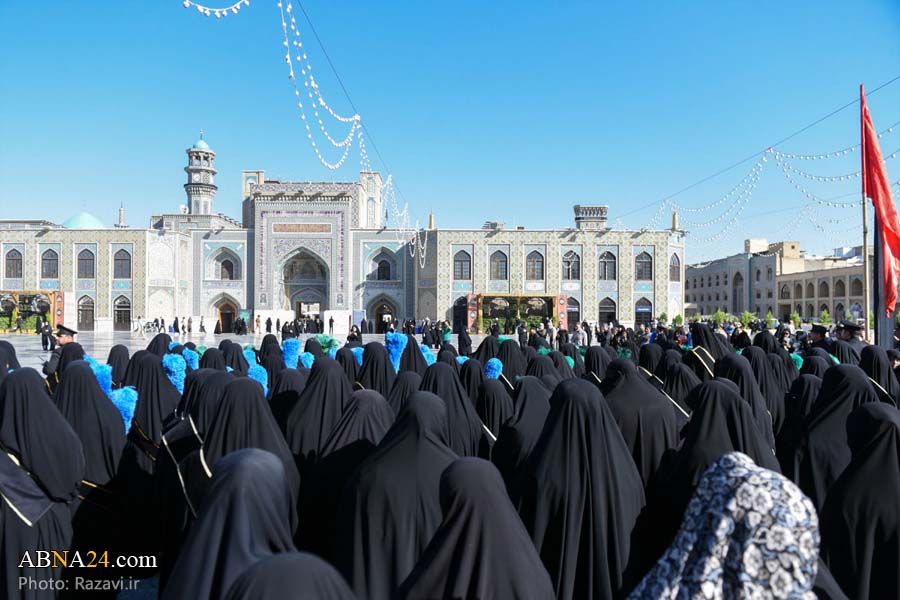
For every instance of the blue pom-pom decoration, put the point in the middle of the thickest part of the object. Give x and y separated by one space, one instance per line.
332 353
307 359
428 354
290 349
395 344
191 358
461 360
250 355
493 368
358 353
228 369
258 374
125 400
175 367
103 373
172 345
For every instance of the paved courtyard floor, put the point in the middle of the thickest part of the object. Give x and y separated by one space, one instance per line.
97 345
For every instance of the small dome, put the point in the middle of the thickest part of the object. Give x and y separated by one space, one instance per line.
83 220
200 145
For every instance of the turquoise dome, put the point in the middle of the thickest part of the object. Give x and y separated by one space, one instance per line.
200 145
83 220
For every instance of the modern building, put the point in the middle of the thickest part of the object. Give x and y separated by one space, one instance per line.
780 278
318 248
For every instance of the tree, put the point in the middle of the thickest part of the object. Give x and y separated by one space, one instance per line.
825 318
795 319
719 318
770 320
678 320
747 317
663 317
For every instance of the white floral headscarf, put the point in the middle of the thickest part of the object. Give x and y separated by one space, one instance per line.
747 533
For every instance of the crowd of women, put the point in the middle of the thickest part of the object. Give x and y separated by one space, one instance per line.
661 472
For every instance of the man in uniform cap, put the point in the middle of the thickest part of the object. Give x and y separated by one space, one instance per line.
64 335
849 332
819 337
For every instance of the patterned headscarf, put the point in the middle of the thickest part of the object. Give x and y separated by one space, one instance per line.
747 533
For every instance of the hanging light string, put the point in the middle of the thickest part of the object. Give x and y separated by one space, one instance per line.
787 174
836 153
345 144
746 193
827 179
210 11
414 238
754 172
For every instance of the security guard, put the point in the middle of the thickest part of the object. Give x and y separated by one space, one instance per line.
819 337
64 335
850 332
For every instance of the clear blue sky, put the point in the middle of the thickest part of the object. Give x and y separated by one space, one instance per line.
483 110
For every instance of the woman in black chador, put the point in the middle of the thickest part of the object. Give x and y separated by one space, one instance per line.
390 508
860 523
823 450
377 373
478 514
466 433
245 518
41 467
519 435
582 496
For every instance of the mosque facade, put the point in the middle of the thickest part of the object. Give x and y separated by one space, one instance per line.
324 249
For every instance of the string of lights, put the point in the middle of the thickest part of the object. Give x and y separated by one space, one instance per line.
739 202
809 195
827 179
836 153
218 13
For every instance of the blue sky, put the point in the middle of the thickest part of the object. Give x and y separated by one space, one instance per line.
503 110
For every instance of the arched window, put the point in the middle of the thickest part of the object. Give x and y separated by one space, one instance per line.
758 274
607 311
499 266
14 264
226 270
785 292
227 266
573 312
643 312
769 273
122 314
49 265
768 293
675 269
737 293
840 289
534 266
643 267
839 312
85 264
86 313
462 266
384 270
571 265
122 265
608 267
810 290
856 288
798 292
823 290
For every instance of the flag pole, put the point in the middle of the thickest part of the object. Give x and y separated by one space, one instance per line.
865 217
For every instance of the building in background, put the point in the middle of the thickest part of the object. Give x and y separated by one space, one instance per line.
780 278
307 249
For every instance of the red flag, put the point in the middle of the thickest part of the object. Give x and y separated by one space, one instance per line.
876 187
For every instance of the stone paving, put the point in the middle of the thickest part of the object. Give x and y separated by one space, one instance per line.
97 345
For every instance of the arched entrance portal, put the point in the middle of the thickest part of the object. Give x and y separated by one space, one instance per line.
460 316
305 279
227 313
383 312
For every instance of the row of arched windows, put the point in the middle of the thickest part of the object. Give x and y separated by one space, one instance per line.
840 289
571 264
85 265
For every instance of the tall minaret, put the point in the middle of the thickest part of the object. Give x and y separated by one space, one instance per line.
121 224
200 187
